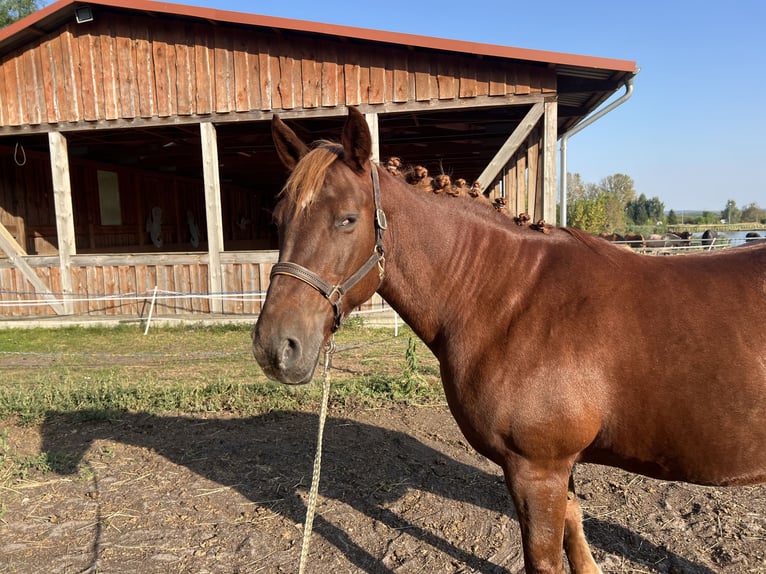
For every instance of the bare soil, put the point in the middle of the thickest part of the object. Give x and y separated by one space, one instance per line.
401 492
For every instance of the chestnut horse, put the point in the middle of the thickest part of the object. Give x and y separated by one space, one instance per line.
526 328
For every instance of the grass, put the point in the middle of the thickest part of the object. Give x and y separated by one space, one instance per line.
98 374
100 371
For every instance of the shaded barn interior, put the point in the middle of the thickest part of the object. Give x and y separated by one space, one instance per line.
140 139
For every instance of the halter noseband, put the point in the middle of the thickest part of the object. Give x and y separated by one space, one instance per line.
334 293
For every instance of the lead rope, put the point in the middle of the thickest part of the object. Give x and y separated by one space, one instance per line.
314 490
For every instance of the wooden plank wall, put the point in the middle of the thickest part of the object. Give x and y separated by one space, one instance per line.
113 286
124 67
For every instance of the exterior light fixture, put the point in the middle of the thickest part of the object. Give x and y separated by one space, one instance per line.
83 14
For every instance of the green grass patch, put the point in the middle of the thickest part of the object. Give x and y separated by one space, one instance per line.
101 371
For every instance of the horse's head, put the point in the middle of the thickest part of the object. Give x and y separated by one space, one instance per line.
331 253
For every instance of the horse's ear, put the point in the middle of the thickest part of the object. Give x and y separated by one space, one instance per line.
290 148
356 139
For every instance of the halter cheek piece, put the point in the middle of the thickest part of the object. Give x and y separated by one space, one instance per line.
334 293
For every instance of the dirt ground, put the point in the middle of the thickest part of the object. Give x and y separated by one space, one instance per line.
401 492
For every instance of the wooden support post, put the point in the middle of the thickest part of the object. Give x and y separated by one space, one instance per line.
504 155
508 186
212 213
372 122
534 184
550 136
62 195
522 188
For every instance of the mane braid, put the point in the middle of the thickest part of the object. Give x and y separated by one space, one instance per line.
307 178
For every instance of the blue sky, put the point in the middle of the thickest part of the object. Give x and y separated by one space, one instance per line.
693 132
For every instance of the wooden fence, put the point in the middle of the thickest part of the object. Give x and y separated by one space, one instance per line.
122 284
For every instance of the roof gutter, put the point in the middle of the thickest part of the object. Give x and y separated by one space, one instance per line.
578 128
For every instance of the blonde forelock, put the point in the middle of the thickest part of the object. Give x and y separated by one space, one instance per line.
308 177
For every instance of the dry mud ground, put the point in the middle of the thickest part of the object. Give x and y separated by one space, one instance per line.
401 492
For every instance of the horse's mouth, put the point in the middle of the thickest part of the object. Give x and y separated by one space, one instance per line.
287 378
280 365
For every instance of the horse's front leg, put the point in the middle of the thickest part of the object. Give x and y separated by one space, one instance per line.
575 544
540 493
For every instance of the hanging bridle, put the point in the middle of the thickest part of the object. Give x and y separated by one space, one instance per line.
334 293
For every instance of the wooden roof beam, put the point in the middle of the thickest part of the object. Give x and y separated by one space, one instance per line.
504 154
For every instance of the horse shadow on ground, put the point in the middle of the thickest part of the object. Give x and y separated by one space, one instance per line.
364 466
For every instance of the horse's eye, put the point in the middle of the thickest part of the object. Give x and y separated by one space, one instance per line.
347 221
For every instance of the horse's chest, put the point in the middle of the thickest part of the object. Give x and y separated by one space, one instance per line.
514 413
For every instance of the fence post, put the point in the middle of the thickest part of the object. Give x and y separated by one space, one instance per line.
151 310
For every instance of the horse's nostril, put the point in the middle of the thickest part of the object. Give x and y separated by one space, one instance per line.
291 352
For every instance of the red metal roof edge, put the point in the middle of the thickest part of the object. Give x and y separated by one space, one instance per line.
32 19
398 38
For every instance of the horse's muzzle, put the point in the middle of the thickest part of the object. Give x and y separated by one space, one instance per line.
285 358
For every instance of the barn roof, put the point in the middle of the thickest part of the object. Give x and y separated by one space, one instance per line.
464 136
583 82
55 14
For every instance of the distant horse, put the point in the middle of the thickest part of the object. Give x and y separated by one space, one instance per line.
635 240
754 237
685 237
656 240
612 236
523 325
709 237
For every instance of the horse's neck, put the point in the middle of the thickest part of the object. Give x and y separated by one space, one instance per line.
437 258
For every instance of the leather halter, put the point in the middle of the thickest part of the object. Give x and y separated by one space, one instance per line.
334 293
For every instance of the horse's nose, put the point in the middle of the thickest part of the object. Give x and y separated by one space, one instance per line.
284 353
289 353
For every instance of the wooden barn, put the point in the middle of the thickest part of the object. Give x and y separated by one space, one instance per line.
136 155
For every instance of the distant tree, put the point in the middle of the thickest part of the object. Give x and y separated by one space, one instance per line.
752 213
12 10
707 217
575 187
643 211
620 186
731 212
578 189
608 198
614 212
636 210
611 205
582 206
589 214
655 209
672 218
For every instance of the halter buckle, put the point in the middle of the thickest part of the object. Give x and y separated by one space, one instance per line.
380 219
337 291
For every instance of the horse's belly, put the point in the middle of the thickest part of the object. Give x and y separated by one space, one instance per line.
711 448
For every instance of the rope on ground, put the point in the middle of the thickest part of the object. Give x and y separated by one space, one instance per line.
314 490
